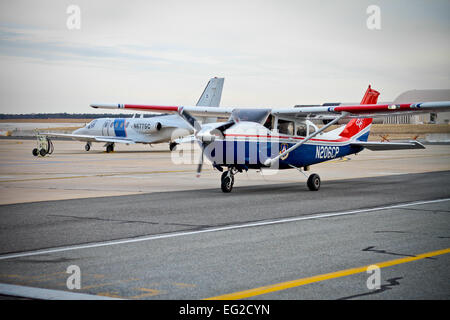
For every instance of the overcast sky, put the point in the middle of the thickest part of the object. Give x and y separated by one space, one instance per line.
271 53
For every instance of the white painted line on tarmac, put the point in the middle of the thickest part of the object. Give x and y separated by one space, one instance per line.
213 229
46 294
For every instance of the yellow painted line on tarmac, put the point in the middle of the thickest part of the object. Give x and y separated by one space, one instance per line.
303 281
96 175
342 159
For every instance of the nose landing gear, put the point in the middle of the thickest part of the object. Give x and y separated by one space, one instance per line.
227 181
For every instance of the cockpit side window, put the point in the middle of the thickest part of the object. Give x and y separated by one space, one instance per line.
286 127
269 122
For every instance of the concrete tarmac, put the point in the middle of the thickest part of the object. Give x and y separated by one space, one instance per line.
275 240
71 173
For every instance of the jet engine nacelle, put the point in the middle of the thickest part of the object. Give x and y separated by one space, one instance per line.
148 127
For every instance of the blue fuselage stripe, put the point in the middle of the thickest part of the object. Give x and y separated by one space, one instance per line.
119 128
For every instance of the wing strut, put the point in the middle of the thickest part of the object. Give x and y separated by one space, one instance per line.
269 162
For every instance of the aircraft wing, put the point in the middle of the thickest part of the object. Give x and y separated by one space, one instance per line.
361 111
193 110
380 146
89 138
319 112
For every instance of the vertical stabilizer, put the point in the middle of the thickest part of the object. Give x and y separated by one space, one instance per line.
355 126
212 93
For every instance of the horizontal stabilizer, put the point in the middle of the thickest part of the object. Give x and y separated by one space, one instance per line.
380 146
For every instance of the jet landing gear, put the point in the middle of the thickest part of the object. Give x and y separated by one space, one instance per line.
109 147
87 147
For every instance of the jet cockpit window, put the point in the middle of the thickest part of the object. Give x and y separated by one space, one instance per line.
91 124
252 115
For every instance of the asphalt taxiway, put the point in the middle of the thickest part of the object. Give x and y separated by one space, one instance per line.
269 239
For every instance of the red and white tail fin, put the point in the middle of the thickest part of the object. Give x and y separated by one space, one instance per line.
355 126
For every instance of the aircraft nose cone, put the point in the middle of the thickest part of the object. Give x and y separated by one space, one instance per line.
78 131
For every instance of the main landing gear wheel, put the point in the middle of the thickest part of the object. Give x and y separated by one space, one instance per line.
313 182
109 148
87 147
35 152
227 180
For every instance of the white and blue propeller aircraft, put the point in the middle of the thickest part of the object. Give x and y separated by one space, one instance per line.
157 129
286 138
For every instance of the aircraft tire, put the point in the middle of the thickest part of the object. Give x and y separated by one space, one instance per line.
87 147
313 182
109 148
35 152
227 182
42 152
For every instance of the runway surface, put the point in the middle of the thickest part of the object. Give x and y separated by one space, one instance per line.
273 241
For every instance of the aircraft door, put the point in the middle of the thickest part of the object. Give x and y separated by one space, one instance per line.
105 128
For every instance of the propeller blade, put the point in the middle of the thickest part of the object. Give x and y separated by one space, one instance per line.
200 164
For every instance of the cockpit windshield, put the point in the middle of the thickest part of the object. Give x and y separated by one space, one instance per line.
252 115
91 124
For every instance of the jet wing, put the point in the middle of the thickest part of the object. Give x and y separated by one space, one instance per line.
89 138
193 110
380 146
